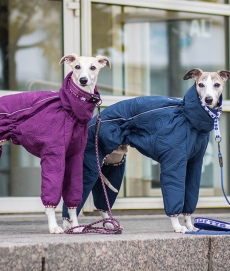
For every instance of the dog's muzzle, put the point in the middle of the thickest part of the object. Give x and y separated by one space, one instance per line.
208 100
83 81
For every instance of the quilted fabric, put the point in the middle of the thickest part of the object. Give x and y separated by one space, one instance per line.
172 131
52 126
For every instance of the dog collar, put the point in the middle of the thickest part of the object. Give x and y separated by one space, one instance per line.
216 117
83 96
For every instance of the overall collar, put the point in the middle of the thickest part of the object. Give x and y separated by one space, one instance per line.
201 117
215 116
80 94
77 101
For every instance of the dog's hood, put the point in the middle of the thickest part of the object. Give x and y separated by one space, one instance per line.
196 114
76 100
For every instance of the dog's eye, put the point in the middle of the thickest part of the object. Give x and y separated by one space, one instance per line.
201 85
77 67
92 68
217 85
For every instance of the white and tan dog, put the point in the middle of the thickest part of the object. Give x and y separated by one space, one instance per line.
46 123
85 69
209 87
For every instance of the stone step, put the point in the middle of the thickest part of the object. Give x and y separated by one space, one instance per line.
146 243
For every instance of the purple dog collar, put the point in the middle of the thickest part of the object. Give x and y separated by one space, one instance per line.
82 95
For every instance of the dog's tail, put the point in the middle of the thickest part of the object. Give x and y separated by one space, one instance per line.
107 182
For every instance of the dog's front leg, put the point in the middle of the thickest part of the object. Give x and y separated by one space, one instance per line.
188 222
176 225
52 223
73 220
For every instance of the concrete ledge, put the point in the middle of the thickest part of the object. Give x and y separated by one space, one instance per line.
138 254
146 243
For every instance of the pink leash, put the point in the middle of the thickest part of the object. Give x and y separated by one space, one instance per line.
90 228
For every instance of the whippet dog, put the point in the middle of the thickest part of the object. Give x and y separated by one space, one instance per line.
209 87
54 127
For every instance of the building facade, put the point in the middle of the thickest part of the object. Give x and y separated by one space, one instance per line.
152 44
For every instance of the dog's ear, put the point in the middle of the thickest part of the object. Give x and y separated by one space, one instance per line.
68 58
225 75
194 73
104 61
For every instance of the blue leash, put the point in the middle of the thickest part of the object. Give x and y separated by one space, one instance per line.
208 225
222 173
212 226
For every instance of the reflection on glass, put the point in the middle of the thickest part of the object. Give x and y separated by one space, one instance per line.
151 50
30 49
31 43
210 1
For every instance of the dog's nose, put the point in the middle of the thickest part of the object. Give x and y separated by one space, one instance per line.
208 99
83 80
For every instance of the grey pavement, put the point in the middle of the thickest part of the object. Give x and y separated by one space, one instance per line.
146 243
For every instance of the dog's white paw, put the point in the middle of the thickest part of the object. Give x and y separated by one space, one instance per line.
72 222
79 229
66 225
177 226
192 228
52 223
181 229
109 225
56 229
105 215
188 223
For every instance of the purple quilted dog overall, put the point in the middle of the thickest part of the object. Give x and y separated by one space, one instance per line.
52 126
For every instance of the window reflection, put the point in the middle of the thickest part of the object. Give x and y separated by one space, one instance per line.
30 49
30 44
151 50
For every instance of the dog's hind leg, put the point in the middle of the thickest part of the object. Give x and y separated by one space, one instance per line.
105 214
115 174
52 223
108 225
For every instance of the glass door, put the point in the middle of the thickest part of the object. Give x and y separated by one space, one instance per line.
151 47
31 46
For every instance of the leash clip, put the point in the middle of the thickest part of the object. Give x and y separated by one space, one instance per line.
98 122
220 155
218 140
94 99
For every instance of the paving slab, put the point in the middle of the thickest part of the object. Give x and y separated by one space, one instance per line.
146 243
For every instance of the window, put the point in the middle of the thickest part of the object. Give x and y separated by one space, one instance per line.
151 50
30 48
